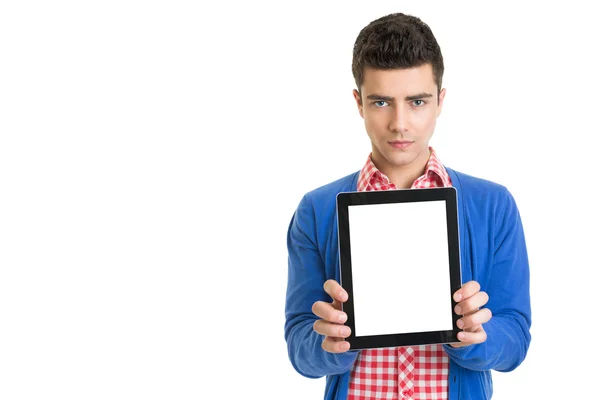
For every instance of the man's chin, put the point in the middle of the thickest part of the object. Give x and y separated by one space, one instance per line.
401 160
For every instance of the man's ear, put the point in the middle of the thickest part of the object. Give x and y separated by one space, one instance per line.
358 102
441 97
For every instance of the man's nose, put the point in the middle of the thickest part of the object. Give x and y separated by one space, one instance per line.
399 122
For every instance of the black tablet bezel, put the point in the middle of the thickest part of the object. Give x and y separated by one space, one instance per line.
346 199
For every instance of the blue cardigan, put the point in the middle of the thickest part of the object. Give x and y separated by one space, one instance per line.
492 252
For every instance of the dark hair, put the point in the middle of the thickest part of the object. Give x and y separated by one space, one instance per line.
396 41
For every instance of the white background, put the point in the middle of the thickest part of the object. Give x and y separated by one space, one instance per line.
385 306
152 154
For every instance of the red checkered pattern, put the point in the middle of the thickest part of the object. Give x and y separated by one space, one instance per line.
435 175
411 372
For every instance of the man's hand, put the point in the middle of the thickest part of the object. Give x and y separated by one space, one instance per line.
332 319
470 299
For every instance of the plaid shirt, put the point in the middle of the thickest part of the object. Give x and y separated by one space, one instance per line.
410 372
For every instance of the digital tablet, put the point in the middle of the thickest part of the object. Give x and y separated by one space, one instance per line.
400 264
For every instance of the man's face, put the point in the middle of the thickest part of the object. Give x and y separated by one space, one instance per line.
400 108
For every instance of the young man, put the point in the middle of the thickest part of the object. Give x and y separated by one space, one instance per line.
398 68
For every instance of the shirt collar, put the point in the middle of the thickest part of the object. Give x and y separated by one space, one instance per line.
434 166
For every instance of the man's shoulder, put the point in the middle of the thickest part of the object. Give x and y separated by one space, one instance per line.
330 190
472 182
320 204
481 190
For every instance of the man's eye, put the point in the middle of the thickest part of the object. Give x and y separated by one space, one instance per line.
380 103
418 103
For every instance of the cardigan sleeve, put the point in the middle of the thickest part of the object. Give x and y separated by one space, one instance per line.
508 335
306 276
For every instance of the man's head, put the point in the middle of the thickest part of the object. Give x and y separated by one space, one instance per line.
396 41
398 68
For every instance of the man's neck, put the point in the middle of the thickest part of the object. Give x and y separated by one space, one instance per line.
404 176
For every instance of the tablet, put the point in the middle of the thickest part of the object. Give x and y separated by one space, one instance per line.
400 264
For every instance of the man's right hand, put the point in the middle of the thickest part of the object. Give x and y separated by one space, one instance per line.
332 319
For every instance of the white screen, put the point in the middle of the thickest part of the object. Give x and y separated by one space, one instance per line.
400 270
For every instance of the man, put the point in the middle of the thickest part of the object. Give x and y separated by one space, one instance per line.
398 68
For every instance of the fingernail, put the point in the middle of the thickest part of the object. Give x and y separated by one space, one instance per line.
457 310
343 296
345 331
460 323
457 297
460 336
342 318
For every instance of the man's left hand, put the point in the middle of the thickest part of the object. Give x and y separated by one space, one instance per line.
470 301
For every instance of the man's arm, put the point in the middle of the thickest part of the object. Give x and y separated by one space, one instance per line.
306 276
508 335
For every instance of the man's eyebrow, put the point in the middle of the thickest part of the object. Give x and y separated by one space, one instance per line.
418 96
379 97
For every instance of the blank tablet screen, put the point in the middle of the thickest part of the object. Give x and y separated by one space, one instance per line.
400 268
